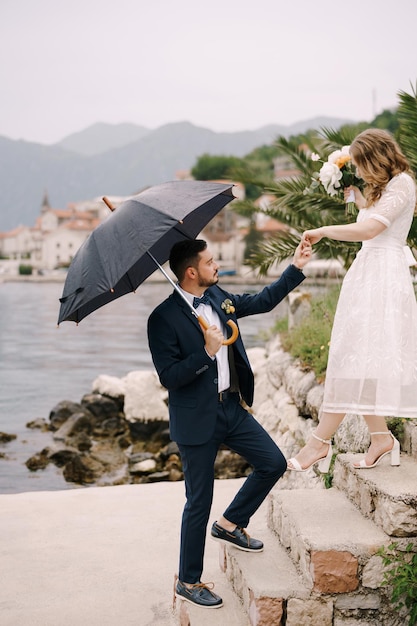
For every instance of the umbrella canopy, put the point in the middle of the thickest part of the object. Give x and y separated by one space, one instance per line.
115 258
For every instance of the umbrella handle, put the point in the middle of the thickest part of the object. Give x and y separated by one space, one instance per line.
235 331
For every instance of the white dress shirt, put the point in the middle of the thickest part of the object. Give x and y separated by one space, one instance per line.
212 317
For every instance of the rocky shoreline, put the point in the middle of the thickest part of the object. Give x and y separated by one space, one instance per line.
118 432
112 438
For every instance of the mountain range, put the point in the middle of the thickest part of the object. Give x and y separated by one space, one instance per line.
121 159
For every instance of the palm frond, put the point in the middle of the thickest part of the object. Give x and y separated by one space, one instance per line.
271 251
407 133
297 155
279 248
335 139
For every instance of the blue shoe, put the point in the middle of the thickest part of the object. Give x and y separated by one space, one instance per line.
199 594
238 538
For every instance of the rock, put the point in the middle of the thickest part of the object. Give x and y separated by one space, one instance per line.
173 462
138 457
158 477
61 457
228 464
61 412
175 475
299 307
314 401
298 383
145 399
276 365
277 414
154 433
82 470
143 467
111 427
108 454
256 358
109 386
124 441
7 437
263 392
352 434
373 572
81 441
170 449
37 461
39 422
82 421
100 406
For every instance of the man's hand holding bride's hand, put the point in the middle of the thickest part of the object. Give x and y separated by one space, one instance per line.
302 254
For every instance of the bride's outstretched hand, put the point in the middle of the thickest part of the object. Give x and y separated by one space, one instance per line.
312 236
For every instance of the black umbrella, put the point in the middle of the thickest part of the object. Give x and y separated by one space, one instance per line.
135 240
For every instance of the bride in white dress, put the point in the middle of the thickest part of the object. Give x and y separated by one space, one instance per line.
372 365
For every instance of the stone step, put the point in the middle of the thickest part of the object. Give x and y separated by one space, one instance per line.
332 545
385 494
267 583
409 439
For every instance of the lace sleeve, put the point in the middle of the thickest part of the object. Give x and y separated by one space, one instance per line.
394 200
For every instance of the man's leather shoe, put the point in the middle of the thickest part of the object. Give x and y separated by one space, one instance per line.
238 538
199 594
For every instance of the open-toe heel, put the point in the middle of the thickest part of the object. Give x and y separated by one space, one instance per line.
323 463
394 452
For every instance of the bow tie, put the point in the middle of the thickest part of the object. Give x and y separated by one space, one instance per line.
205 299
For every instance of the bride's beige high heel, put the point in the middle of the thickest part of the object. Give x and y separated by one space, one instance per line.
323 462
394 452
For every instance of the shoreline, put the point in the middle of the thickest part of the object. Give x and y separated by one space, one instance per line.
318 281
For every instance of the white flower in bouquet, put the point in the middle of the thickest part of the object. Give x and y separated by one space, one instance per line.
329 177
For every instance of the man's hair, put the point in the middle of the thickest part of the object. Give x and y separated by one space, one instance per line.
185 254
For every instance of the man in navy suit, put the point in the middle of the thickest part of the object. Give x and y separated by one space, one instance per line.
206 381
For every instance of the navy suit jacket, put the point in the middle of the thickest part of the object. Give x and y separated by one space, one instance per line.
176 343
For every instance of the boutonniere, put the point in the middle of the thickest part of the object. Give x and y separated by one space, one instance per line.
227 306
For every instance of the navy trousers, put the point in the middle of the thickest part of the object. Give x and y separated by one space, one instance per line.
239 431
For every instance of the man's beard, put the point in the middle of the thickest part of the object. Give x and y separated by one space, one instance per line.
204 282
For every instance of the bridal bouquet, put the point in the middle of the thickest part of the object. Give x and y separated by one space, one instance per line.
337 173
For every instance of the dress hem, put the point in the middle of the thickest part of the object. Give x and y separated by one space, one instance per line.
370 410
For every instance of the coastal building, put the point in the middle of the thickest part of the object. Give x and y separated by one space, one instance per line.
55 238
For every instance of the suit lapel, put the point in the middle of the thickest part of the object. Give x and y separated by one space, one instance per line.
216 299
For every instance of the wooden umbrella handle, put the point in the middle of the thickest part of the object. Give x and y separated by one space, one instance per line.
108 203
234 335
235 331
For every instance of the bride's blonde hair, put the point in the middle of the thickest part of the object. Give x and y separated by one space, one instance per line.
379 158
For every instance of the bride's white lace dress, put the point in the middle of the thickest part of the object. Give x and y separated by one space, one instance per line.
372 366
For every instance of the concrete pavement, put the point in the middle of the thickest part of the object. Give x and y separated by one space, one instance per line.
98 556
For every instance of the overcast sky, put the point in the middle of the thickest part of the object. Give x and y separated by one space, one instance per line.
226 65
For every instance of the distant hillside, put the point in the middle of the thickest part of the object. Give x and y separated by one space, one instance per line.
70 175
102 137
